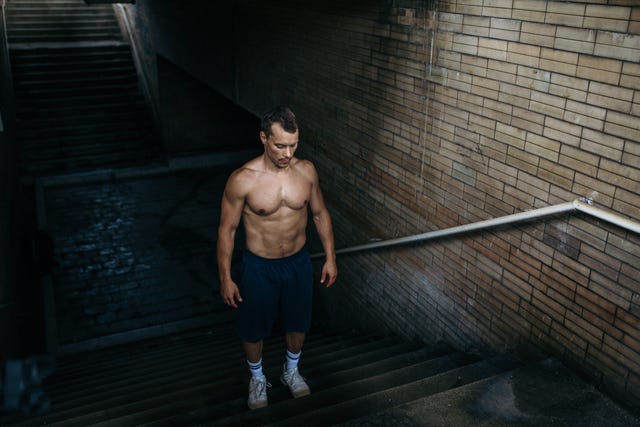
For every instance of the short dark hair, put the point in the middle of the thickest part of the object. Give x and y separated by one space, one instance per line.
280 114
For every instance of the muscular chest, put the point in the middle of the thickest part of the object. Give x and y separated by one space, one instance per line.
274 194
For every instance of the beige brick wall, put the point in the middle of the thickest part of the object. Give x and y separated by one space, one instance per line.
534 103
525 104
421 118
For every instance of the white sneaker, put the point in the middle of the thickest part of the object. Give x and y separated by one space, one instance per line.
296 382
258 392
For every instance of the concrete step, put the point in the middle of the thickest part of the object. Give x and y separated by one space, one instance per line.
15 16
48 3
80 106
51 159
62 25
67 56
53 153
44 118
30 61
34 11
93 157
65 38
55 165
78 123
127 85
59 83
105 108
64 21
80 135
104 69
546 393
52 7
77 102
109 139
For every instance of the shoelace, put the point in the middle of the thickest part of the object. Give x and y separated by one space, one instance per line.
296 378
260 387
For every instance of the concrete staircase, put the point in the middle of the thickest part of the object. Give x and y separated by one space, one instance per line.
79 103
199 378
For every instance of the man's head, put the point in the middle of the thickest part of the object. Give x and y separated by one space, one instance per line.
279 135
282 115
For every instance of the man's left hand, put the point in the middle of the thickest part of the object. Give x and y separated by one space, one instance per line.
329 273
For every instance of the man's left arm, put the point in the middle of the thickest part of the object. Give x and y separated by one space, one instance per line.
322 221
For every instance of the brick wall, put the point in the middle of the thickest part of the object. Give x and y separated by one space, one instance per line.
134 255
421 117
536 103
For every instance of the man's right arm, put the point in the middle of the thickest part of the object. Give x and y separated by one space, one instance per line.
230 214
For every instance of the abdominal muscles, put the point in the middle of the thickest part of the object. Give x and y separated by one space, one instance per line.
280 234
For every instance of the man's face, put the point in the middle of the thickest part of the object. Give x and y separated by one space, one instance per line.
280 146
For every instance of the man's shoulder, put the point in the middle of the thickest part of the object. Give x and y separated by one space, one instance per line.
304 163
247 171
243 179
305 167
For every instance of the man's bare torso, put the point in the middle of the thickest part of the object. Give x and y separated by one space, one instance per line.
273 195
275 209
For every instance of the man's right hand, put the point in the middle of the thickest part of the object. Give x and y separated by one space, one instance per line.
230 294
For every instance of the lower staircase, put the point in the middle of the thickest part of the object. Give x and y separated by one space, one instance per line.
200 379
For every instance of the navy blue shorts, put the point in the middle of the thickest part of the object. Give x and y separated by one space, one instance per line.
274 287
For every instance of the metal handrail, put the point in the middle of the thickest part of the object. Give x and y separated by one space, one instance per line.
579 205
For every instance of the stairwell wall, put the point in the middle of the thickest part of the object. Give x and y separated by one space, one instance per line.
191 75
421 116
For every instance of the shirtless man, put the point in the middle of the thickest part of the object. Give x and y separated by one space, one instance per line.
272 194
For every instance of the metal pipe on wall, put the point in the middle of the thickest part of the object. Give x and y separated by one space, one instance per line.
588 208
581 205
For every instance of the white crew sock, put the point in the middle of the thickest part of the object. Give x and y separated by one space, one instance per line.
256 368
292 360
